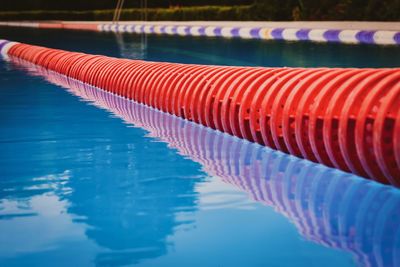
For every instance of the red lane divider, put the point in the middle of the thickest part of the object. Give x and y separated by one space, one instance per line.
344 118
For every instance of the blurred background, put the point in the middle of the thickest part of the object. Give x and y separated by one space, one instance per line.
257 10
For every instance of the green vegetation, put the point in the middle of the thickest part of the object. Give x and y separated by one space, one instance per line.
20 5
184 13
374 10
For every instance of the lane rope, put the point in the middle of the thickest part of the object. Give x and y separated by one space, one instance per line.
345 118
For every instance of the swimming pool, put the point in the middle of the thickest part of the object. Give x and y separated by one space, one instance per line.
81 186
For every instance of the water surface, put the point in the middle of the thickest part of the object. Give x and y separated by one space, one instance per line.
87 178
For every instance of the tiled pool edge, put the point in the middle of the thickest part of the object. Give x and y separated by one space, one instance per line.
314 34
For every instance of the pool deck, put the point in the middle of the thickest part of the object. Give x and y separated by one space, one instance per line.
349 32
343 25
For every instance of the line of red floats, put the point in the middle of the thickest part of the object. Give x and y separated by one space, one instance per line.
346 118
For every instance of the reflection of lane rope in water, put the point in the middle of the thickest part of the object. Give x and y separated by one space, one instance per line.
328 207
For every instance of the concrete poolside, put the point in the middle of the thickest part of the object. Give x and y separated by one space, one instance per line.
348 32
348 25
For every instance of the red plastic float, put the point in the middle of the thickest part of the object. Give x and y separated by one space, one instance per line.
346 118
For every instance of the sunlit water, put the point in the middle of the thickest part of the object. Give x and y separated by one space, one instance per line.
88 178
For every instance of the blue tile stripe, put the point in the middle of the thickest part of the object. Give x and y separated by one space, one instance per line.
291 34
217 31
332 35
302 34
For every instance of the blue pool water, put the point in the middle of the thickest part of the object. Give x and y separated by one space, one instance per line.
87 178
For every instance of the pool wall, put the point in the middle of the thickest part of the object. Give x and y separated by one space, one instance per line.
288 32
343 118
